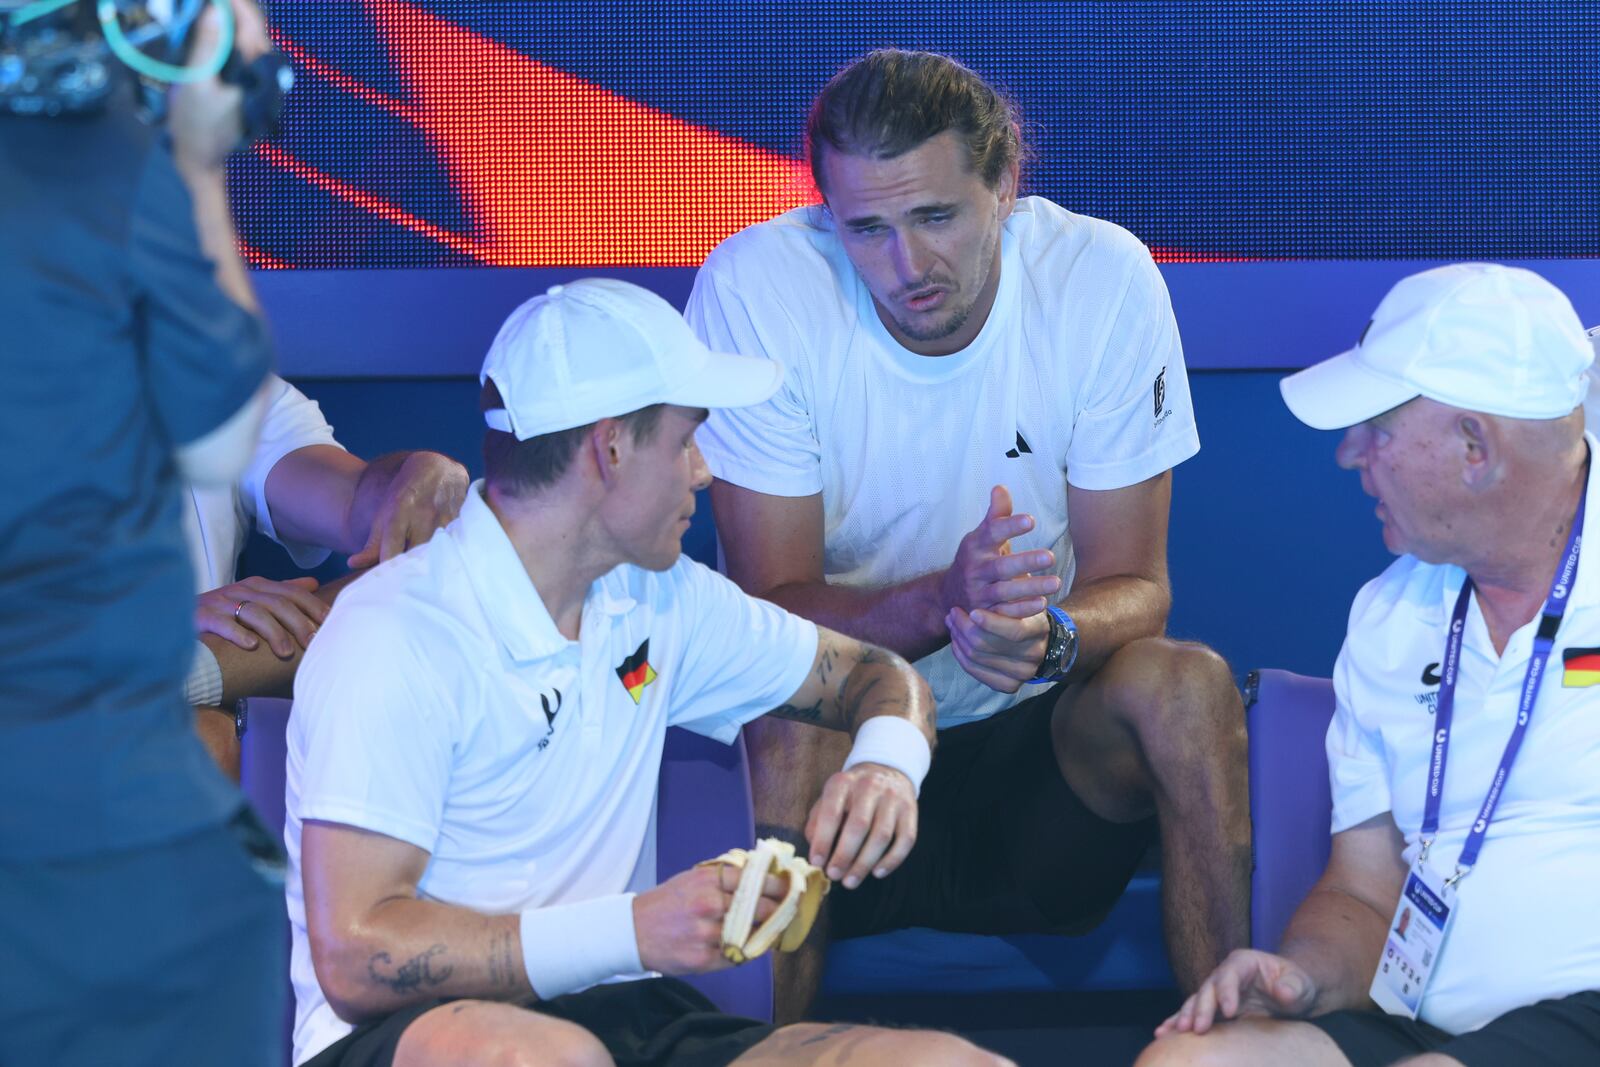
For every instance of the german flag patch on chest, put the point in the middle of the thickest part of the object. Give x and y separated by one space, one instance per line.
1580 667
636 672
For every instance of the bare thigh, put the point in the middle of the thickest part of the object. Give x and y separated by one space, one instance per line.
837 1044
504 1035
1247 1043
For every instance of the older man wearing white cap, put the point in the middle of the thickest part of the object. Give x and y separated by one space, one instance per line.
477 735
1455 923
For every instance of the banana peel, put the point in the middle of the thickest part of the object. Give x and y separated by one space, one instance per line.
790 921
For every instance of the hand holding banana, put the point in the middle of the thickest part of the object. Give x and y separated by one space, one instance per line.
728 910
790 921
735 907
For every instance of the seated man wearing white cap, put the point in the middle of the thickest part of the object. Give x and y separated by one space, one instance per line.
478 728
1455 922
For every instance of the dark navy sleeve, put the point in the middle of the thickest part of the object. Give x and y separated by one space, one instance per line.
205 354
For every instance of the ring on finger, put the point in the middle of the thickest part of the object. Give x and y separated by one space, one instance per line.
238 608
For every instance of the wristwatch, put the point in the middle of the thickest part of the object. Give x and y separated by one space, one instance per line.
1060 650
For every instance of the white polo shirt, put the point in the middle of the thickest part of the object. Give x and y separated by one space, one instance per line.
1525 927
440 706
218 522
1077 375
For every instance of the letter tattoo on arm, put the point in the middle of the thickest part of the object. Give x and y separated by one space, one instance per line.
505 960
813 713
825 659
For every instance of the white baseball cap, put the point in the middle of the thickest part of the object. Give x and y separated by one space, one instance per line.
1479 336
598 348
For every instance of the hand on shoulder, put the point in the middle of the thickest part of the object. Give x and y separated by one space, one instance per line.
1248 982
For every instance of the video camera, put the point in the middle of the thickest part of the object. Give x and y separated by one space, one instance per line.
65 57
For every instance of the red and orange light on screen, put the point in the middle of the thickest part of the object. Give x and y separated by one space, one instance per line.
552 170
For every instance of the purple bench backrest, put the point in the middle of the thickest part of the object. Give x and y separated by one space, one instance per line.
703 809
1291 805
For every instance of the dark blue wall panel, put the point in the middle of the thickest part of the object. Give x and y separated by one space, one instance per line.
406 323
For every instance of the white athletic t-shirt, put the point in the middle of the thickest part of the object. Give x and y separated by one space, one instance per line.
440 706
1077 375
218 521
1525 927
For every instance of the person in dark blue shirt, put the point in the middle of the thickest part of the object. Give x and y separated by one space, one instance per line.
139 918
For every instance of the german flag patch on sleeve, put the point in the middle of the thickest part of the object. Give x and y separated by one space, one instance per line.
1580 667
636 672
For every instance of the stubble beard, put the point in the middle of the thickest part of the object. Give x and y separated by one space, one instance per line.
958 317
937 331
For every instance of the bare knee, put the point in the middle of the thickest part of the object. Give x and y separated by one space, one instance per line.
1182 1050
1166 688
872 1046
935 1049
572 1046
1246 1043
496 1035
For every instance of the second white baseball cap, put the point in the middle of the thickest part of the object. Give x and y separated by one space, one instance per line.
1479 336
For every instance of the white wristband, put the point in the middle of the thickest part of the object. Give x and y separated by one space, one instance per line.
204 684
568 947
893 742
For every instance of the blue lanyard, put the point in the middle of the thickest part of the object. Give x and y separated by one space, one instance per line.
1544 640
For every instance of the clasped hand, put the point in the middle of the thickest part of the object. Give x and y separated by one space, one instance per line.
995 599
286 614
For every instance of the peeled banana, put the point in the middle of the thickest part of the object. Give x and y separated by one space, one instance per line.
791 921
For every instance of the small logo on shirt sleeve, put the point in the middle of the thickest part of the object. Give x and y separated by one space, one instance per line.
636 672
1160 392
1580 667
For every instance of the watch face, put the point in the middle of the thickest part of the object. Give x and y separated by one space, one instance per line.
1054 648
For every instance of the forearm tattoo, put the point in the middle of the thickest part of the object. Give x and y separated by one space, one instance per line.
845 685
419 972
505 961
862 684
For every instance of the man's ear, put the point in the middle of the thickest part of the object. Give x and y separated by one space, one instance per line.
1006 191
1480 443
607 445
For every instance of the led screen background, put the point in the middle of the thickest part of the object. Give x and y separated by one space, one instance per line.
627 134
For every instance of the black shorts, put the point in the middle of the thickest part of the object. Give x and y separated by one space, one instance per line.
653 1022
1003 845
1551 1033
